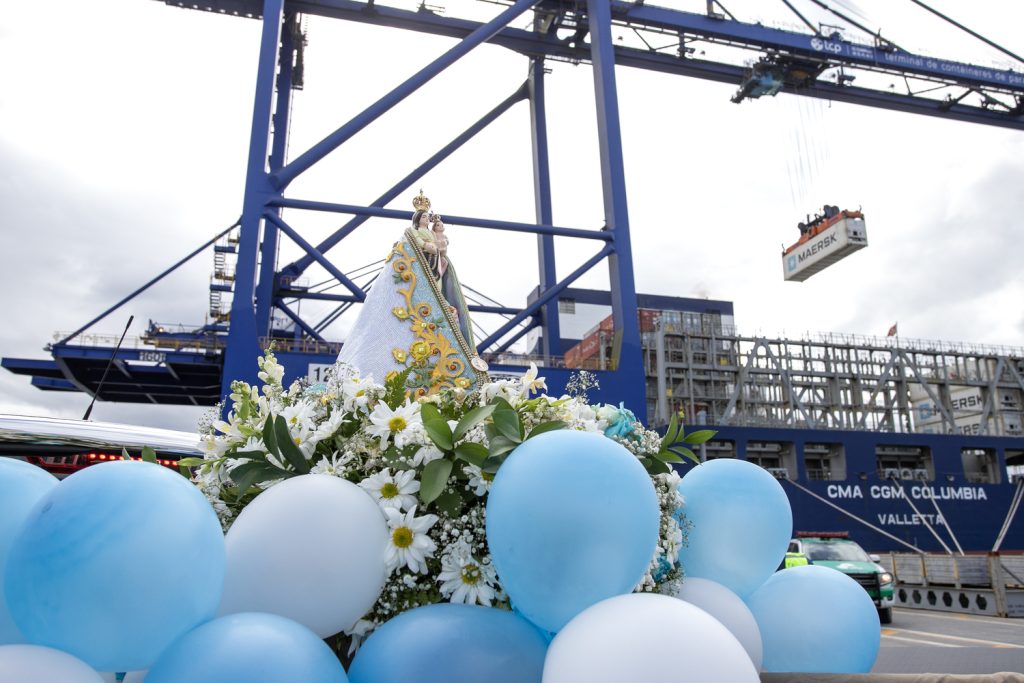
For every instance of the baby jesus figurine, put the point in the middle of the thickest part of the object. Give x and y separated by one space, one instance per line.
434 244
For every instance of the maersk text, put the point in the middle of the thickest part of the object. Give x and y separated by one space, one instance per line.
817 246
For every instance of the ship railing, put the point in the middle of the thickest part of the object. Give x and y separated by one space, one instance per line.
983 584
301 345
860 340
143 341
959 570
815 474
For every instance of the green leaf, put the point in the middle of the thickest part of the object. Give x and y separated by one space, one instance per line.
686 453
547 427
656 466
191 462
472 419
507 422
665 455
248 455
436 426
394 389
473 453
428 411
501 445
450 503
700 436
250 473
492 464
124 454
269 438
435 476
288 448
671 433
185 471
148 455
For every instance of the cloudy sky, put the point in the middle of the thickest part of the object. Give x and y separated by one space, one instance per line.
126 124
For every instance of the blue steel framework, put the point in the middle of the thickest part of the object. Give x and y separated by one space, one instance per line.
260 287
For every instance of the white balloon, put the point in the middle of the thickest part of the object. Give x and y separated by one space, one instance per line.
310 549
646 637
37 664
727 608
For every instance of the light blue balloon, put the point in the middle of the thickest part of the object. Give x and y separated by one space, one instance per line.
249 647
742 524
115 563
572 519
21 486
816 619
451 643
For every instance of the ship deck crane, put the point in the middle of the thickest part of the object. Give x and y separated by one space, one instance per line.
758 59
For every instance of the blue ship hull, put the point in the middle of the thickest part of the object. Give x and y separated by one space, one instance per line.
953 506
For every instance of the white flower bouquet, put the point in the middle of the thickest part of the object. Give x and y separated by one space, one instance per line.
428 463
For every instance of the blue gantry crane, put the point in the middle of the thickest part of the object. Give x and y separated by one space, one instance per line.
196 366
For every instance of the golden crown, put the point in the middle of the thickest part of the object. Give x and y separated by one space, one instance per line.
420 202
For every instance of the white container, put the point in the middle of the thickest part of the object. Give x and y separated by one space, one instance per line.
840 240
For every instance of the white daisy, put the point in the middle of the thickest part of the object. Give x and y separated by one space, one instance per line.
328 428
479 480
392 492
426 454
355 393
386 423
333 466
464 579
299 417
409 545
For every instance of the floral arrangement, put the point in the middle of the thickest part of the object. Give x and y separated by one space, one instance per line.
428 463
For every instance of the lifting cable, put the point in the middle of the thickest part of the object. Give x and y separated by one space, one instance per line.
855 517
802 17
1010 514
850 21
479 293
964 28
924 521
945 521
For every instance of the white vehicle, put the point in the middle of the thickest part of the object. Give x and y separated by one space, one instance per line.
63 446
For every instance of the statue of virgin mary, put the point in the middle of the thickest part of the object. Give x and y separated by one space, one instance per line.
415 316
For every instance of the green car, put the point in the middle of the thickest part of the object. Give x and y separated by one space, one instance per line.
836 550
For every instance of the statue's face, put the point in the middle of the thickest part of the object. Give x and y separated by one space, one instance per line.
423 221
439 228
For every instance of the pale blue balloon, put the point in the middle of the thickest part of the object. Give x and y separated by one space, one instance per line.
451 643
742 523
115 563
815 619
21 486
250 647
572 519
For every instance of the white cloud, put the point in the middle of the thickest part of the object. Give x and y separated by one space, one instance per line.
127 125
